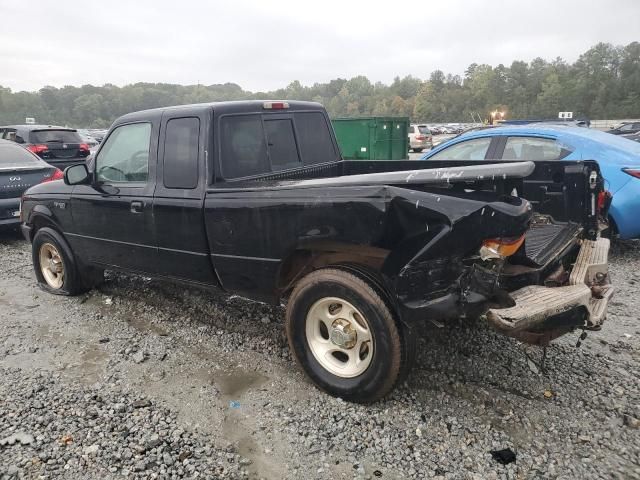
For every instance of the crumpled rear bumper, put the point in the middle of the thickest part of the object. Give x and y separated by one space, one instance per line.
543 313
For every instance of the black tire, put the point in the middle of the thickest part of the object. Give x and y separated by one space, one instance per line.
418 150
74 282
390 355
409 333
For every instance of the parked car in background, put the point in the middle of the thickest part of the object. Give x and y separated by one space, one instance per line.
619 159
98 134
88 138
626 128
567 123
19 170
634 137
58 146
420 137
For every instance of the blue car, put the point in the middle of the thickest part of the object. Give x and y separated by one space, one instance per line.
619 159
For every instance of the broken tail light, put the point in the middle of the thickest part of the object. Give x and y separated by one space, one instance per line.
500 247
604 200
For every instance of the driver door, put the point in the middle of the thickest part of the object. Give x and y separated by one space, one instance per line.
113 217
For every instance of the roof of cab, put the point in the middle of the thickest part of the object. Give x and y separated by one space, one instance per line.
236 106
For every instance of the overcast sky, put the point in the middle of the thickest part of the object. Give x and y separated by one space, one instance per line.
264 45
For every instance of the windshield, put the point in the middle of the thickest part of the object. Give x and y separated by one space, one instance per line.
14 156
55 136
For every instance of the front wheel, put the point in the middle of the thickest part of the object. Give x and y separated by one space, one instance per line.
344 336
55 266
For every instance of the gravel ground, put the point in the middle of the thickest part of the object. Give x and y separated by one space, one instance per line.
142 379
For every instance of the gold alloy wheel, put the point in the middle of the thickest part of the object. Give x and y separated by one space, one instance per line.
339 337
51 265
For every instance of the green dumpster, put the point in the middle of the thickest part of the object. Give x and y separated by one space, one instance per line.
372 138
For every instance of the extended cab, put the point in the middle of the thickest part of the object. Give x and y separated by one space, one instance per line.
254 198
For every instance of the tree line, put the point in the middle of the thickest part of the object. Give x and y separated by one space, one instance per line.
604 83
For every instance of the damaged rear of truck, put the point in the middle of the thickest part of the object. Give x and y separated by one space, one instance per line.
365 252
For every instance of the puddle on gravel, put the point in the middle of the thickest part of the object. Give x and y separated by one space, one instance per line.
236 382
238 425
90 367
143 325
107 310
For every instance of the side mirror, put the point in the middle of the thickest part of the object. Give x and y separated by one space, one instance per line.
77 174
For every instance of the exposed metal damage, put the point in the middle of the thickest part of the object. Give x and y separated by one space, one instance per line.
579 303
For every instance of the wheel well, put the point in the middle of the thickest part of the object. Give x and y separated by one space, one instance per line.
305 260
39 222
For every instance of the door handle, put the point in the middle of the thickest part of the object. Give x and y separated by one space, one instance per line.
136 206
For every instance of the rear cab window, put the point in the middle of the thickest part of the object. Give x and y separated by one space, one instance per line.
424 130
243 146
254 144
316 143
281 144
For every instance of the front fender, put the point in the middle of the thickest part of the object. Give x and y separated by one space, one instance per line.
37 216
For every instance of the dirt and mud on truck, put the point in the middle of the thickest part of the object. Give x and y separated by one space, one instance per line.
254 198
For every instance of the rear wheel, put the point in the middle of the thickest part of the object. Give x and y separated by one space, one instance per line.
418 150
344 336
55 266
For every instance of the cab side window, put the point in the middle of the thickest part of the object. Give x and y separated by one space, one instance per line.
124 158
180 164
474 149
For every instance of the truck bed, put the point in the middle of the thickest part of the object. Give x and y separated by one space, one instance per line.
558 189
544 241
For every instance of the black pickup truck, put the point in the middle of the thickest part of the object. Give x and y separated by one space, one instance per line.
254 198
